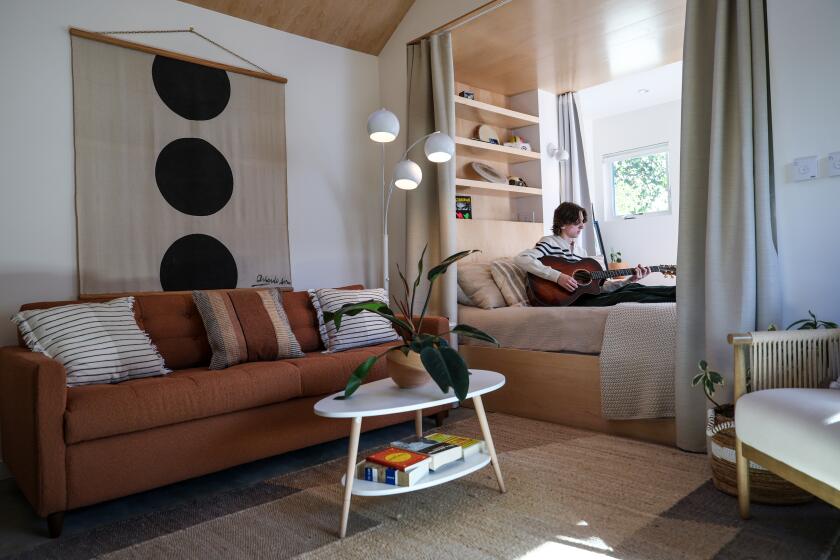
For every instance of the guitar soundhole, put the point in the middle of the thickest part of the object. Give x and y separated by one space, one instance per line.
582 277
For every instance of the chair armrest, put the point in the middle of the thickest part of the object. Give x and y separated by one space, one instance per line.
433 325
33 398
740 342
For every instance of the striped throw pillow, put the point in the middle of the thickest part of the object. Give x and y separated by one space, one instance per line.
245 326
511 281
364 329
95 342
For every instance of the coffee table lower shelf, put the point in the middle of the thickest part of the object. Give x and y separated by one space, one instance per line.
453 470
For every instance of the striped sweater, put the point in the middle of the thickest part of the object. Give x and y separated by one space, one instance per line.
556 246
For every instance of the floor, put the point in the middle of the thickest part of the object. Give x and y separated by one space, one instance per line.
21 529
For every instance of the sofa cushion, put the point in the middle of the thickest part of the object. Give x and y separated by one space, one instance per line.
304 320
245 326
357 331
799 427
324 373
96 411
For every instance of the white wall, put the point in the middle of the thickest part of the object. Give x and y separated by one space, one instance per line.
804 45
422 17
646 240
333 226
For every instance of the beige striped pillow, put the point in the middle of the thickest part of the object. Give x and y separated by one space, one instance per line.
511 281
245 326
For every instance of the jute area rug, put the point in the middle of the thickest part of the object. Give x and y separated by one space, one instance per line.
571 495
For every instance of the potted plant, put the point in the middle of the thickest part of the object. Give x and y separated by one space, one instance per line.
765 487
420 355
616 262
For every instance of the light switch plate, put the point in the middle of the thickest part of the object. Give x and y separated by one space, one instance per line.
834 164
805 168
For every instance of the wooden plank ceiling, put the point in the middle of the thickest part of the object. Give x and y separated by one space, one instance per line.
566 45
361 25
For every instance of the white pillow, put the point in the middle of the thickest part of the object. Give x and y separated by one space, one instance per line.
95 342
364 329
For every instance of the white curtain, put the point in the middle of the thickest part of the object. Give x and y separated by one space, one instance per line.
430 209
727 259
574 185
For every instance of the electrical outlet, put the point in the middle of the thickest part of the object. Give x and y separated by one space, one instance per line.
805 168
834 164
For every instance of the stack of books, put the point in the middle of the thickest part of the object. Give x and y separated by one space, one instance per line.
407 462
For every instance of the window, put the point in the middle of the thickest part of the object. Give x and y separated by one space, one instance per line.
637 181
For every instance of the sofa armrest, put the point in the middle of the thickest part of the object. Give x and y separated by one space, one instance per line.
33 397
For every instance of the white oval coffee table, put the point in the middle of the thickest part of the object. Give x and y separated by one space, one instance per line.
383 397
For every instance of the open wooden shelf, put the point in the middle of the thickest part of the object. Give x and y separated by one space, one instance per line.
492 152
485 113
474 186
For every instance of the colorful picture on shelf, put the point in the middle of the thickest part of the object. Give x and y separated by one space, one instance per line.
463 207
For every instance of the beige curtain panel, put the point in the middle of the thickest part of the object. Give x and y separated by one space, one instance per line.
727 259
430 209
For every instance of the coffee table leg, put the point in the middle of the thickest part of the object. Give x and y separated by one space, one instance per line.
418 423
355 430
488 439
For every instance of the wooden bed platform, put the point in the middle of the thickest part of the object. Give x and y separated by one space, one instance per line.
560 388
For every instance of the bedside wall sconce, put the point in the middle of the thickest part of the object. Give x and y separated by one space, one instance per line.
560 154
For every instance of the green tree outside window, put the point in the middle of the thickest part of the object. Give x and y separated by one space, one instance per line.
640 184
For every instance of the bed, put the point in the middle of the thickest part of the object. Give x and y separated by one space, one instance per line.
550 356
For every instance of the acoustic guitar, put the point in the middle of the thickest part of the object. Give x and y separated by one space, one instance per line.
589 275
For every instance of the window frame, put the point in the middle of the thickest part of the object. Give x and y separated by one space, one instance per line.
607 161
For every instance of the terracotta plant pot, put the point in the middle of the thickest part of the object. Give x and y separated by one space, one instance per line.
618 266
407 371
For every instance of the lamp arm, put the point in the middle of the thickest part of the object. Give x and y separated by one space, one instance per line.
405 153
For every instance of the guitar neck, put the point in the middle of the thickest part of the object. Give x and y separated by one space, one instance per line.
620 272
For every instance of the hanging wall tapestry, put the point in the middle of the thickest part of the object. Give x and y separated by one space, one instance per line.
180 172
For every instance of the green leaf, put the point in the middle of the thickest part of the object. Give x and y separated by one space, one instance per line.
696 379
422 341
703 365
420 266
436 366
444 264
458 372
472 332
359 375
716 378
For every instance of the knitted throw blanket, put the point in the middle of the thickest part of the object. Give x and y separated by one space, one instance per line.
637 361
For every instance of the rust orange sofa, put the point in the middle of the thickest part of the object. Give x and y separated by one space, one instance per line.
76 446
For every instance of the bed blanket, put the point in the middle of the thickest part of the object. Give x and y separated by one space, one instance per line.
637 361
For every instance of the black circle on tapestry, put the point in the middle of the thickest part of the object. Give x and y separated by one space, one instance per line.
197 262
193 91
194 177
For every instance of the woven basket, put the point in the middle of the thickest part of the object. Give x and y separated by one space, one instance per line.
765 487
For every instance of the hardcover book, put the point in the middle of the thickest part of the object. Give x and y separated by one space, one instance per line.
439 453
463 207
375 472
469 446
400 459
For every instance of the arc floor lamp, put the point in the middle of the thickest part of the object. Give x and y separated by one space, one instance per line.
383 126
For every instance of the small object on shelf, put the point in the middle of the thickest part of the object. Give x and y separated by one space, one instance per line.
517 182
463 207
374 472
400 459
518 143
467 94
488 134
488 173
440 453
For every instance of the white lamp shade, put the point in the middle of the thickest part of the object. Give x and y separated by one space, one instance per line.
407 175
383 126
439 147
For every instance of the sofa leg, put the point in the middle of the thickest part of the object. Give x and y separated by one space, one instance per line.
440 417
55 523
742 468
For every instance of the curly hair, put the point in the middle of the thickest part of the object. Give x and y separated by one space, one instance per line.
568 213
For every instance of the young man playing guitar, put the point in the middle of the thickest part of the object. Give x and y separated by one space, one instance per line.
569 221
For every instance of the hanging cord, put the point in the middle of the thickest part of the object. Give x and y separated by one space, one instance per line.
194 32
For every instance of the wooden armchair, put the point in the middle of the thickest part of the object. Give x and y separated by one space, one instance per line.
786 419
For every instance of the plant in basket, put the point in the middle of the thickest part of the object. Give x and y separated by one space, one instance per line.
419 352
765 487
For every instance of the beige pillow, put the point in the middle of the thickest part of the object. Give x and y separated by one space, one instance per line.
511 281
477 282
